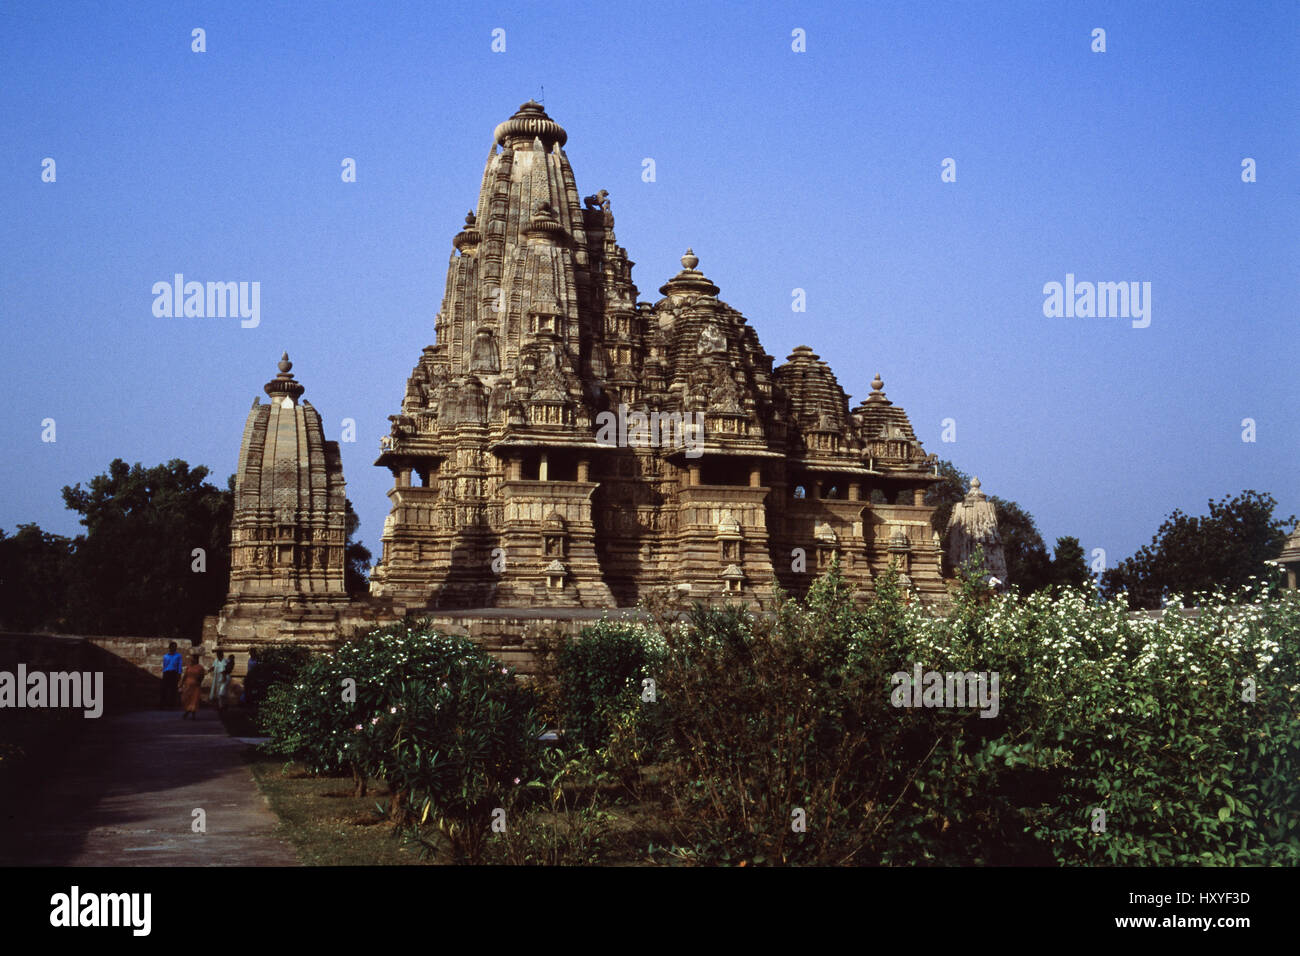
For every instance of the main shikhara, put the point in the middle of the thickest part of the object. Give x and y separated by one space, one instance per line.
504 495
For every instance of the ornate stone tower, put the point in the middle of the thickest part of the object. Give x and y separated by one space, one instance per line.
289 530
543 455
974 523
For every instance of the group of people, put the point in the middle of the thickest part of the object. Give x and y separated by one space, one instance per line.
184 685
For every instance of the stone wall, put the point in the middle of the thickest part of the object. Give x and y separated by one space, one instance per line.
509 635
132 666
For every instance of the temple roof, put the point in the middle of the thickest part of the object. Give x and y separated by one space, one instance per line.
540 331
817 401
879 418
529 123
974 523
286 467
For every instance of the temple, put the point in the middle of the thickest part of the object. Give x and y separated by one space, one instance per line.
1289 560
563 444
508 493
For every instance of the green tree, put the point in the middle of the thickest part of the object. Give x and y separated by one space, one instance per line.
136 569
33 574
1069 567
356 557
1221 550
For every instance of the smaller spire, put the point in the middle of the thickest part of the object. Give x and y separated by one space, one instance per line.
877 396
545 224
469 237
690 281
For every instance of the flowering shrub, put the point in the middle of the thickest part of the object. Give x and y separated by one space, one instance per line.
1114 739
445 725
1169 740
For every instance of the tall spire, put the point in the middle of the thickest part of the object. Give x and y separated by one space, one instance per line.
524 251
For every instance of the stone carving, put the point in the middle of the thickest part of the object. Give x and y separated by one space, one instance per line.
484 358
711 340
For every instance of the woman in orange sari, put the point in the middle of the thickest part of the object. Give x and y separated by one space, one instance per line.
191 685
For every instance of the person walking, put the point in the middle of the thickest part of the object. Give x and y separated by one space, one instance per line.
169 696
192 687
227 674
218 677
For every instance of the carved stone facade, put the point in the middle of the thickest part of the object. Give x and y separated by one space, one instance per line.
512 487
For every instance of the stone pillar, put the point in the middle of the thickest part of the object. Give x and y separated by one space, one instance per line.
694 474
584 469
815 488
541 468
404 478
756 476
855 491
515 468
918 496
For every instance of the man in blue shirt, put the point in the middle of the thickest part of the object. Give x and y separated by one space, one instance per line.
171 678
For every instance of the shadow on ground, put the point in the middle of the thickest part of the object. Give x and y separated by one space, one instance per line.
121 790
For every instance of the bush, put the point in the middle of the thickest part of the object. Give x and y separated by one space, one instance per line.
600 676
450 730
787 747
278 664
1140 718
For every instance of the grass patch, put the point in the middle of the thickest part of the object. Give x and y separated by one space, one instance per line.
328 826
324 823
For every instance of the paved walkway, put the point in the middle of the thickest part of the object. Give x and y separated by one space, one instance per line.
125 796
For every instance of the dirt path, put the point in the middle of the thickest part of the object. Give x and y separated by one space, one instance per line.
126 792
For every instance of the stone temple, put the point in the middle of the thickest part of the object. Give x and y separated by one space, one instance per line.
564 443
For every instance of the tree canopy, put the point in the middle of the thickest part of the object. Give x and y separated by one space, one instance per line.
1220 550
136 570
154 558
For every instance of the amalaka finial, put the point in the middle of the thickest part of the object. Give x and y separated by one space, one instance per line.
283 384
690 260
877 383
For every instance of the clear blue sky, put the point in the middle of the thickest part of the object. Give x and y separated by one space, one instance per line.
816 170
